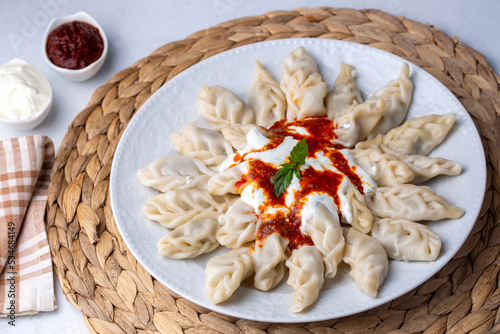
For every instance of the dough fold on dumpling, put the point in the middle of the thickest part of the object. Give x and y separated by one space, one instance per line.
175 172
384 168
304 88
222 108
344 93
358 121
367 259
397 95
191 239
415 136
411 202
203 144
238 225
406 240
306 276
266 98
237 134
227 181
361 216
297 60
224 274
325 232
176 207
269 261
426 168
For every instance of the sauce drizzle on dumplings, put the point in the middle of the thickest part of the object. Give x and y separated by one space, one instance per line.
324 174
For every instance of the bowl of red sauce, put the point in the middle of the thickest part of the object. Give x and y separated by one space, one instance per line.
75 46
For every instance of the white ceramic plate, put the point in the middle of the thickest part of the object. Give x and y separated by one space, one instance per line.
175 104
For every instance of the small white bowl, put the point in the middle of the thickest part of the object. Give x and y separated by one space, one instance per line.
27 124
84 73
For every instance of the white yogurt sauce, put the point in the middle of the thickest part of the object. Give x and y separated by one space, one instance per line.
255 197
24 91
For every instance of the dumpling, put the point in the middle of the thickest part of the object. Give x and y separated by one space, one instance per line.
306 276
305 96
426 168
367 259
358 121
406 240
238 225
297 60
228 181
222 108
411 202
397 96
415 136
237 134
304 88
175 172
344 93
224 274
266 98
191 239
325 232
174 208
269 261
361 217
386 169
203 144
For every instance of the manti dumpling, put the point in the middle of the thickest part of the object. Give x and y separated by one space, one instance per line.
174 208
397 96
361 217
406 240
238 225
175 172
224 274
385 168
191 239
426 168
306 276
237 134
222 108
388 169
358 121
411 202
367 259
304 87
297 60
269 261
227 181
266 98
325 232
345 93
415 136
203 144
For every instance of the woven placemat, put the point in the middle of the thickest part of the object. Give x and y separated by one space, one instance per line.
99 275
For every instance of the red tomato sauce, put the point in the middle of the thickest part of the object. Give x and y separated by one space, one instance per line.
74 45
320 138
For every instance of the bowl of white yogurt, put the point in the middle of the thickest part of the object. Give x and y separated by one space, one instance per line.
25 95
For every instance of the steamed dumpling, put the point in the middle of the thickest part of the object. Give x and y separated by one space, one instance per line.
222 108
406 240
224 274
367 259
306 276
266 98
344 94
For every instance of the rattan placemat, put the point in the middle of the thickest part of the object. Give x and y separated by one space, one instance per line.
116 295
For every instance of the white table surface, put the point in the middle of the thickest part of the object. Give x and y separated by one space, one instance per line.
135 29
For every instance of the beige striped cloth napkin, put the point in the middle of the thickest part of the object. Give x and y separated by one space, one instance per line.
26 279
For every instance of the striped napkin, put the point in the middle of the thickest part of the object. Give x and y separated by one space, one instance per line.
26 279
